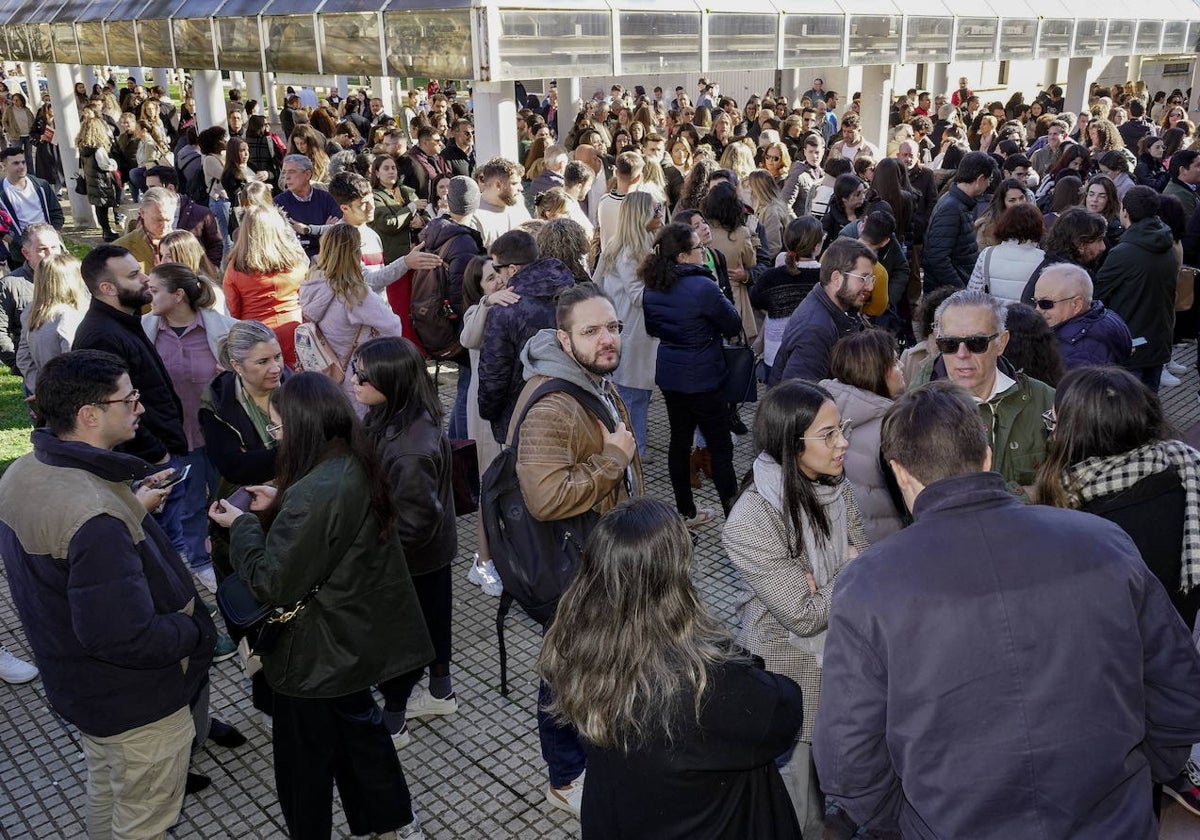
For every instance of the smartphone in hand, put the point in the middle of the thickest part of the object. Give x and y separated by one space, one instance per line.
174 478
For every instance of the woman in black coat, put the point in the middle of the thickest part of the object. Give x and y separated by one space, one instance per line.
404 418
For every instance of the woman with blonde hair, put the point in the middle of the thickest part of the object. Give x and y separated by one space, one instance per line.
336 297
616 273
264 273
182 246
93 143
770 208
739 158
48 324
776 160
681 154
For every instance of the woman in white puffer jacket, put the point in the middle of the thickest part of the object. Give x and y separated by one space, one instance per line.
1003 270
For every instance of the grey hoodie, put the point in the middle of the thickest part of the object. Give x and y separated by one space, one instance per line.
543 355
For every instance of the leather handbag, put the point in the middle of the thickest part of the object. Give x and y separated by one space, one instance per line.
464 463
740 384
244 611
1185 288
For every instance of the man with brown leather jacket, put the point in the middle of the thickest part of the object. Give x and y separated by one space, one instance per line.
568 463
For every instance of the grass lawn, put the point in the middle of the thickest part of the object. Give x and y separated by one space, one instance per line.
14 420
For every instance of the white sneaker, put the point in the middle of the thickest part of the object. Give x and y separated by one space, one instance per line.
1177 368
483 574
15 671
1168 379
423 704
412 831
569 799
403 738
208 578
703 517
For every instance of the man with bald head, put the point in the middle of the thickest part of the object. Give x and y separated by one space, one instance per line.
923 182
1088 333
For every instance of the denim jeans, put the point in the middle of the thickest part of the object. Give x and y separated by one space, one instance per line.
561 749
1150 376
200 486
170 516
458 414
220 208
637 401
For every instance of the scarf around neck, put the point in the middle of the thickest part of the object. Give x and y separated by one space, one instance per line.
825 558
1097 477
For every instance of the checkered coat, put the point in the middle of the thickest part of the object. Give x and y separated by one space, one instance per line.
774 597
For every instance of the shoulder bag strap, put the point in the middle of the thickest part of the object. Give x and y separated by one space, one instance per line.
589 401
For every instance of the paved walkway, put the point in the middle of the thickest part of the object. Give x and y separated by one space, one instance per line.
474 775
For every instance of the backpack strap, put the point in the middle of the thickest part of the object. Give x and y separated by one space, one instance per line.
588 400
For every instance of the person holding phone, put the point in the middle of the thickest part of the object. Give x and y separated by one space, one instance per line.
329 528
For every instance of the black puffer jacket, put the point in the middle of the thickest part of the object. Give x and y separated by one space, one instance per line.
950 246
417 460
1137 282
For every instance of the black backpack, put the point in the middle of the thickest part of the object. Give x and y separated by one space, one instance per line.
434 319
536 560
194 187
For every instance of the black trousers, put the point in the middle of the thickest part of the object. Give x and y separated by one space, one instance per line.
435 593
711 413
342 741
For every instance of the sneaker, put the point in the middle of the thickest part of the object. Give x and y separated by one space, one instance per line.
1185 789
412 831
208 578
1177 368
423 704
484 576
1168 379
225 648
567 799
15 671
702 517
403 738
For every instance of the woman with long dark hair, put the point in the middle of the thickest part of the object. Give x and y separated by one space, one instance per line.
650 679
846 205
727 217
327 546
689 315
793 529
404 417
1113 453
779 290
1010 193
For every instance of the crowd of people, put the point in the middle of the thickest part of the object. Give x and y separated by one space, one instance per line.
959 341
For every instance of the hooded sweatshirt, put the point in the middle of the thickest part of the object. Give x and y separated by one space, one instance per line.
1137 281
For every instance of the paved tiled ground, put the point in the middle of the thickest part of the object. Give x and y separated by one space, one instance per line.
474 775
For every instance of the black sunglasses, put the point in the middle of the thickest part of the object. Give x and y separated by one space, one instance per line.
1050 303
975 343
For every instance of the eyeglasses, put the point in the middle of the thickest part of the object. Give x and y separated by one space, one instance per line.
358 373
273 429
131 399
866 278
975 343
612 328
831 436
1050 303
772 157
1049 419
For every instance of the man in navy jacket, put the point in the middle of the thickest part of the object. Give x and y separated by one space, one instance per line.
122 640
1027 640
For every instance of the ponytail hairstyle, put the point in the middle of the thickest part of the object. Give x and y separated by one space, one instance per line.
657 270
177 277
802 238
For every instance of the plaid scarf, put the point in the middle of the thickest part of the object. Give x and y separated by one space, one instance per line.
1104 476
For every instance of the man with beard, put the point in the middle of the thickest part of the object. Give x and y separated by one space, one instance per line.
569 463
113 323
500 206
828 312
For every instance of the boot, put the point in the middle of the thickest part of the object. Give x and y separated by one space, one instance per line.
694 470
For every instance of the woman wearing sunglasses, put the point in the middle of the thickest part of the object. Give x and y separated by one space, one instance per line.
794 528
404 418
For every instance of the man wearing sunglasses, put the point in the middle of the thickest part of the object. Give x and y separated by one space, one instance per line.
969 328
1088 332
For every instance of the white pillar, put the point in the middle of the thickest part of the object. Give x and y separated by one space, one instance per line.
1195 86
876 103
66 124
940 82
31 85
574 96
381 87
1053 68
210 98
254 89
495 120
91 78
161 76
1080 75
342 86
271 105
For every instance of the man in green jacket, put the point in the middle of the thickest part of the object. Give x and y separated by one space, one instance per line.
969 330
